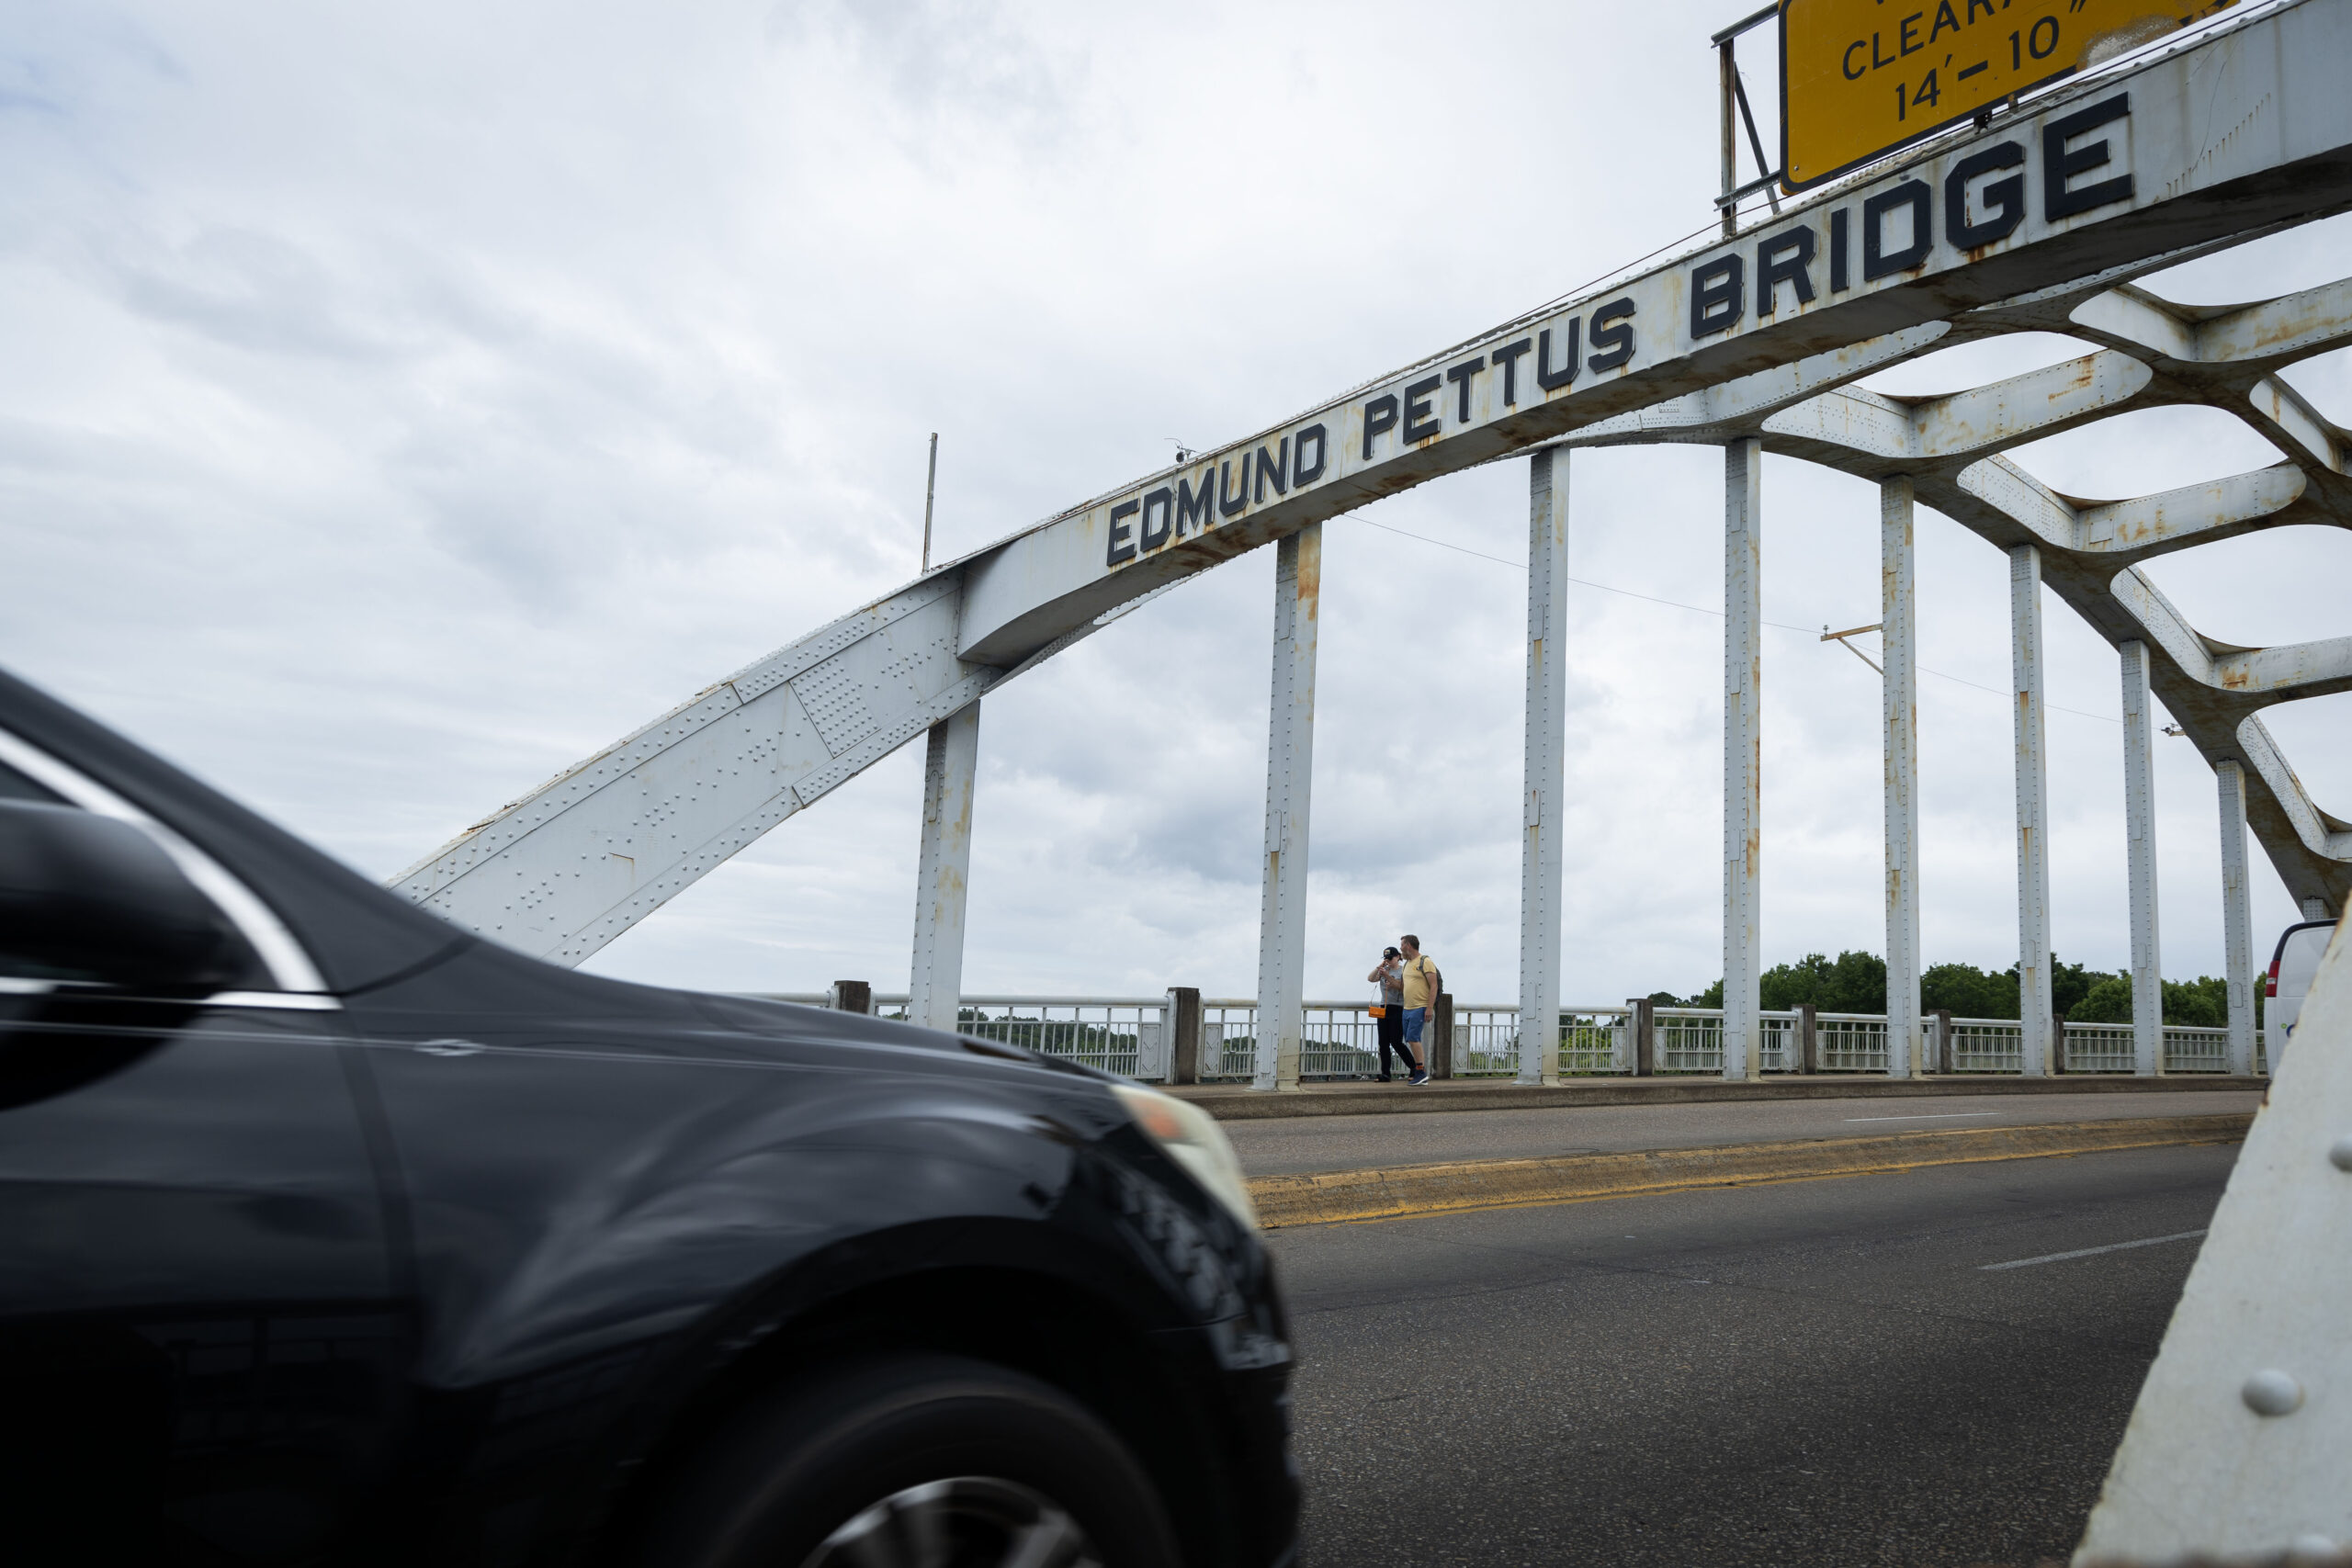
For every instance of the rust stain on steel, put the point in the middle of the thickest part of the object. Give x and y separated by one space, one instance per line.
1308 591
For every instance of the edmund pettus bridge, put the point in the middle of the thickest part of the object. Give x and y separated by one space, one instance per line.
2038 216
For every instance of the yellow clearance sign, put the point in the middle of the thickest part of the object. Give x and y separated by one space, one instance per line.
1862 77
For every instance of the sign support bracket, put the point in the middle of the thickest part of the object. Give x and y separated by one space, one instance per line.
1733 93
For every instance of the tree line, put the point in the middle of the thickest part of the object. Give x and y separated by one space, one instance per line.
1856 982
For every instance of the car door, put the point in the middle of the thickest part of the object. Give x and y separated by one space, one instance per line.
200 1335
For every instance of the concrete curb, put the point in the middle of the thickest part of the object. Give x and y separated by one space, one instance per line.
1397 1193
1234 1103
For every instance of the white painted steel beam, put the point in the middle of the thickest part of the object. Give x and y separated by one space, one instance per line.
2034 1008
943 866
2140 853
2235 1450
1546 768
1743 774
2242 129
1899 635
1290 775
2237 918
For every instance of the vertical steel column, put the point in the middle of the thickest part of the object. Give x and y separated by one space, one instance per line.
1290 768
1546 768
1898 639
2238 917
1743 515
951 761
1726 74
2033 814
2140 835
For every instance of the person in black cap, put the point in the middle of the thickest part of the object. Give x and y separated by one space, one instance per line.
1389 975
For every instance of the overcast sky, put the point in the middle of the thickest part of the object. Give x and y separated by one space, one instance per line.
401 402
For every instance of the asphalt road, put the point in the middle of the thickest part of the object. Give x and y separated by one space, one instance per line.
1818 1372
1285 1145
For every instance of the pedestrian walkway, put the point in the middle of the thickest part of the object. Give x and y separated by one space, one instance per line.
1238 1102
1292 1146
1672 1158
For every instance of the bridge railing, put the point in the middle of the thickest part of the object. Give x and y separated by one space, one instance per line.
1128 1035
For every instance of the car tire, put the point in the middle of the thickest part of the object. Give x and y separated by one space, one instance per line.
924 1461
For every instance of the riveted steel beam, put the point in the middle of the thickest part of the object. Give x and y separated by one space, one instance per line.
1289 777
1743 1055
2039 1042
1541 871
943 869
2139 861
1899 637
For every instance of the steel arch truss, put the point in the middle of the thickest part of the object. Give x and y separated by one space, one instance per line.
2149 352
2241 130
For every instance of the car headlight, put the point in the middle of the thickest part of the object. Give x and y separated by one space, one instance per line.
1189 1136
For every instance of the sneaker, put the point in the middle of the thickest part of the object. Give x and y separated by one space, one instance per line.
1419 1077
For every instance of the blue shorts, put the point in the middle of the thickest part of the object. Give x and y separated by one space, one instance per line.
1414 1018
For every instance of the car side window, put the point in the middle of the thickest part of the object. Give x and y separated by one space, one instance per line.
15 785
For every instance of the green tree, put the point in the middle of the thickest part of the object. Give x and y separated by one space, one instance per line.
1966 991
2069 984
2109 1001
1853 982
2202 1003
1713 996
1856 982
1785 985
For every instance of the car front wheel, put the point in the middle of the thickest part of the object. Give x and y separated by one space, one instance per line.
914 1461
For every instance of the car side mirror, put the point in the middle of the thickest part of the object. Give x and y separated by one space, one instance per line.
92 898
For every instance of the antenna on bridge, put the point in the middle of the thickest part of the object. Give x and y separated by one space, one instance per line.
930 488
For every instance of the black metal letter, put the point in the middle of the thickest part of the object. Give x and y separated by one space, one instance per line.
1280 473
2004 199
1613 334
1195 511
1304 473
1786 257
1164 499
1462 375
1379 418
2058 165
1122 547
1840 276
1421 420
1877 262
1231 505
1553 380
1507 357
1718 295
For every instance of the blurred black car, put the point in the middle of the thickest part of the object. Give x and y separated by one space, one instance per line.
331 1234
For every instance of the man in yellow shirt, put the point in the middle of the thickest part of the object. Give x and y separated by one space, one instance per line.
1421 980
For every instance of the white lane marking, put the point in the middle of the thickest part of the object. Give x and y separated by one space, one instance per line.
1939 1116
2093 1251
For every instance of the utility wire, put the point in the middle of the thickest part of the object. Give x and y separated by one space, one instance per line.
1702 610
